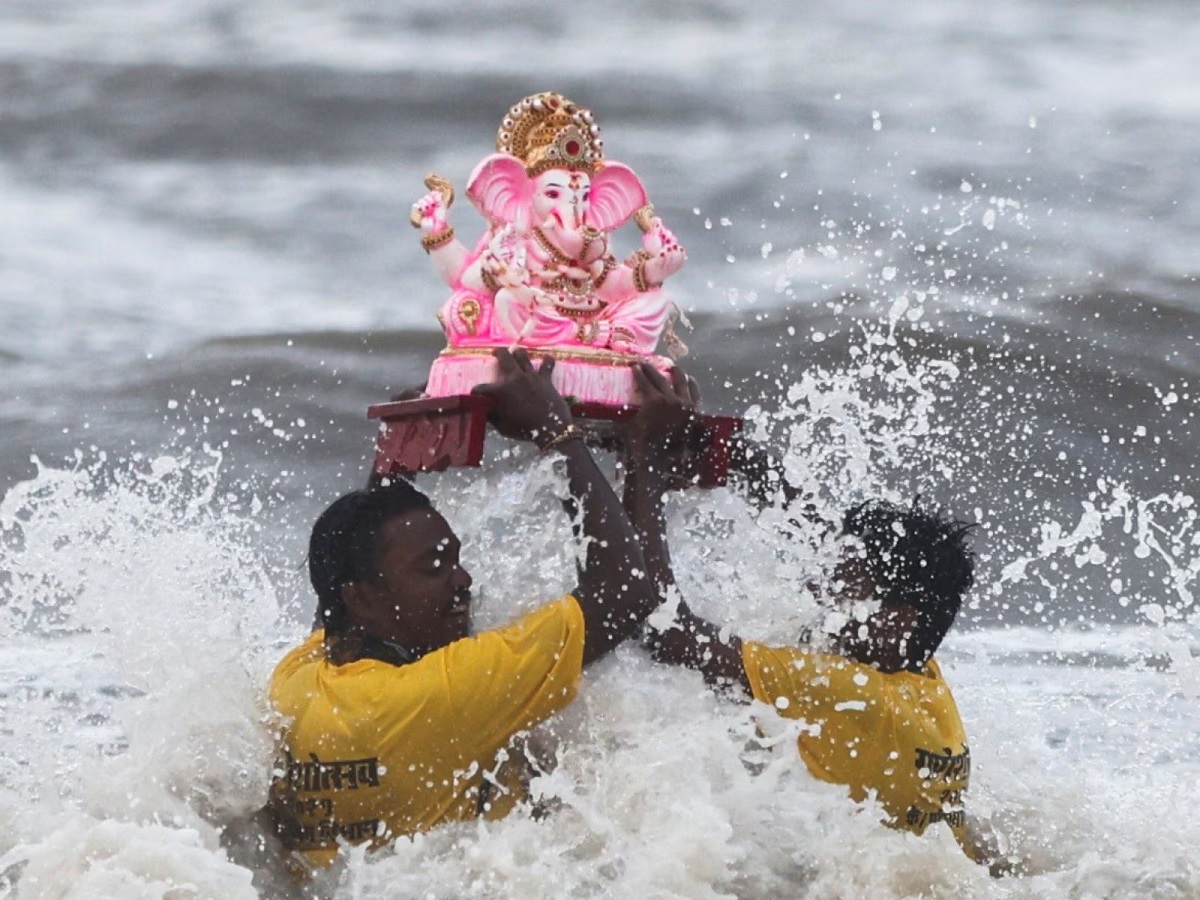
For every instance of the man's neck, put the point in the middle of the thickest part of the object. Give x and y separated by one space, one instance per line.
353 646
887 660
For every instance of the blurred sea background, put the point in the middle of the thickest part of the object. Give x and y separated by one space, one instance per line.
943 249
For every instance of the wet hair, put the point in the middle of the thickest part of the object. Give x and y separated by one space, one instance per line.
917 557
344 545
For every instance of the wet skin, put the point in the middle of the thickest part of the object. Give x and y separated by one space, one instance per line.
881 639
421 597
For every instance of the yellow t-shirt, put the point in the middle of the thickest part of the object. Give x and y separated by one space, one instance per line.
372 751
896 734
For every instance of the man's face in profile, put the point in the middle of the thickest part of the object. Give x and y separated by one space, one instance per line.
847 595
421 596
855 622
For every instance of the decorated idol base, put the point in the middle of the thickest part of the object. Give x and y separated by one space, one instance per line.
543 277
588 376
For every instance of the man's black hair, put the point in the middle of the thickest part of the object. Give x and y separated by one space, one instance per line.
345 543
919 557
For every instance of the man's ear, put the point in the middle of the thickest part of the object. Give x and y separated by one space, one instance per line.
902 623
357 597
901 620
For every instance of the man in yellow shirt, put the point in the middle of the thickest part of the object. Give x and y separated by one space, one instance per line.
397 718
879 718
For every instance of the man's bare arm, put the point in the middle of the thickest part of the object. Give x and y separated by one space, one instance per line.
614 592
668 410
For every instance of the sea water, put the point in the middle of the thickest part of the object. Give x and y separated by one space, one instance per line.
945 252
142 621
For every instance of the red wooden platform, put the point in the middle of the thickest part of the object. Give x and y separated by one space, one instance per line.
436 433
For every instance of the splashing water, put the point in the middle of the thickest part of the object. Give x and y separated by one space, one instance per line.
140 622
141 612
139 625
1163 527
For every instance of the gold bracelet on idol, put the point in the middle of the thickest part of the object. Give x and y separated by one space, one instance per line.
438 238
640 281
489 281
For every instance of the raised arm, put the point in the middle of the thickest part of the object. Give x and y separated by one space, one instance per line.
653 442
614 592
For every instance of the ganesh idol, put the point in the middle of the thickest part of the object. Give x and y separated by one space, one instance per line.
544 275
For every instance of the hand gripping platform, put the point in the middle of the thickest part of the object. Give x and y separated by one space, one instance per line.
433 434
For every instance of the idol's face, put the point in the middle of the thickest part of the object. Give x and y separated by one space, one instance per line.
562 195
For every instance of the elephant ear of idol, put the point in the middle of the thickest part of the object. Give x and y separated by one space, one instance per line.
617 193
500 189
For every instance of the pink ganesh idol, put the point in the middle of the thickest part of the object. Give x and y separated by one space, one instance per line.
544 275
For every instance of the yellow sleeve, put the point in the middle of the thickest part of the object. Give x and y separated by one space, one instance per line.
801 684
307 654
500 682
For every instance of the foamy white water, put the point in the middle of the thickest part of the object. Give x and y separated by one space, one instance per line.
140 622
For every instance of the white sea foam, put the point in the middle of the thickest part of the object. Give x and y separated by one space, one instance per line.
140 624
136 625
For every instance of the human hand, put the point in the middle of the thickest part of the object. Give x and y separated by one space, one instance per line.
658 437
528 406
411 393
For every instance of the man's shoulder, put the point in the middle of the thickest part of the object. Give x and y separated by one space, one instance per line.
295 673
803 674
562 614
929 680
540 640
926 697
307 653
802 658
